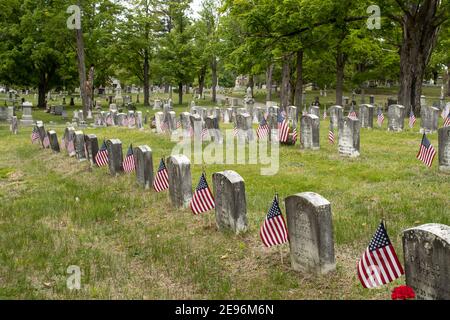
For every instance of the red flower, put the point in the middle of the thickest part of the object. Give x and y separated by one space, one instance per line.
403 293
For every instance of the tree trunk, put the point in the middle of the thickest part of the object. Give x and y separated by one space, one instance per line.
42 91
340 65
447 77
146 79
201 80
285 77
82 68
299 82
180 93
214 79
419 38
269 73
251 84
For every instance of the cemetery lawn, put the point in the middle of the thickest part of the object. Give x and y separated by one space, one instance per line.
131 244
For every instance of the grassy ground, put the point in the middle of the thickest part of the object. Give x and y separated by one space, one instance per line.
130 243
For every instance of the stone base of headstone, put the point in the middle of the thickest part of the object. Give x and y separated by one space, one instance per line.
180 181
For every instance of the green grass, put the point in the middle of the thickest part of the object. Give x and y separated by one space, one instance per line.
131 243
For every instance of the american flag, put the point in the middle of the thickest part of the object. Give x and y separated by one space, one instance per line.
128 162
63 143
101 159
46 141
325 113
34 135
235 130
331 136
161 182
164 126
273 231
294 135
379 263
412 119
263 129
447 121
380 118
427 152
205 134
202 200
352 114
283 128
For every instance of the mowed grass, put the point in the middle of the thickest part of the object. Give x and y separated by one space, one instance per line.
132 244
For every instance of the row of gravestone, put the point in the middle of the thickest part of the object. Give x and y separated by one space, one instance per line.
309 217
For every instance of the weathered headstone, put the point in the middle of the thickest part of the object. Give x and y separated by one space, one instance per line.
349 137
91 142
27 117
11 113
309 128
396 115
159 120
427 261
314 110
429 118
444 148
292 114
231 204
366 115
139 120
80 150
144 166
53 138
180 181
41 129
244 125
69 136
115 156
212 124
121 119
310 226
336 114
197 126
185 123
3 114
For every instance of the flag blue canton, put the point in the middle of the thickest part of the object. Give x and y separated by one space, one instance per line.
380 239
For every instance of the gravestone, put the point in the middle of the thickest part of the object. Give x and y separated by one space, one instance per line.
41 130
131 117
429 119
349 137
180 181
159 120
121 117
80 150
91 142
227 115
272 121
27 116
144 166
172 120
315 111
185 123
396 115
444 148
292 114
310 225
231 204
309 128
336 114
197 126
157 105
372 100
366 115
212 124
58 110
112 107
427 261
14 127
244 125
69 135
115 156
53 138
139 120
234 102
